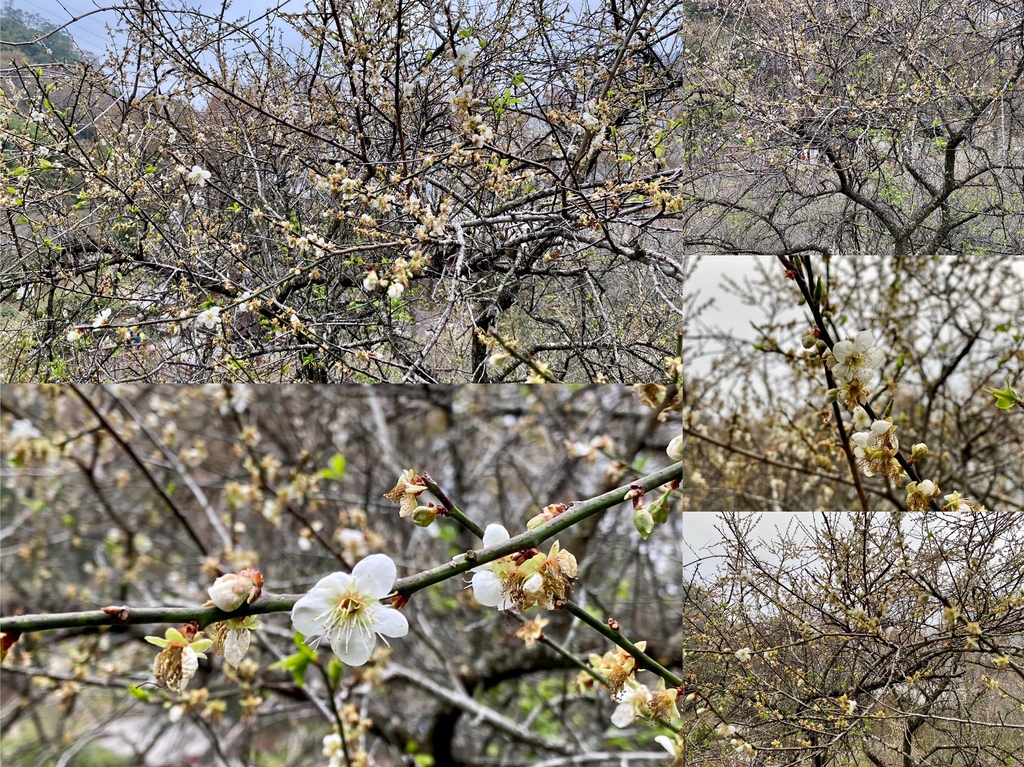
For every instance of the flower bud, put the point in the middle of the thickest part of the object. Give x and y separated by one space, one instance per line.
231 591
643 522
424 516
675 448
918 451
809 341
831 395
659 509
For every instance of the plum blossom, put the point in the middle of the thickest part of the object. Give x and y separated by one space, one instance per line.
102 318
198 176
489 579
855 359
178 660
743 655
74 335
675 448
395 290
344 608
464 54
920 494
876 448
725 730
209 318
406 492
231 591
232 638
634 701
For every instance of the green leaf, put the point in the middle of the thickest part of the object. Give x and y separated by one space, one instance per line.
45 164
335 468
297 663
138 692
334 669
1005 398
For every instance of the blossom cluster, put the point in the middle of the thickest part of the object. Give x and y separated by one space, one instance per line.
876 450
853 363
524 579
635 700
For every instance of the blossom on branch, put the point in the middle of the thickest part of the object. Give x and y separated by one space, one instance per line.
178 660
405 493
231 591
489 580
344 608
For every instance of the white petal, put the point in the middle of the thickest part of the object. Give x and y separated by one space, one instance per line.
842 350
864 341
236 643
874 358
495 534
666 743
331 586
375 575
389 622
533 584
189 666
487 588
623 715
307 615
356 650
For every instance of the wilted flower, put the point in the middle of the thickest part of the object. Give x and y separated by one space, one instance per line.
544 580
876 450
178 661
532 630
232 637
405 492
344 608
634 701
920 494
616 666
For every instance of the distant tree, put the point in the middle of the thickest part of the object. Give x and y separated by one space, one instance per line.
22 26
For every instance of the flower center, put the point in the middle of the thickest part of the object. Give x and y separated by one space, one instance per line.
349 605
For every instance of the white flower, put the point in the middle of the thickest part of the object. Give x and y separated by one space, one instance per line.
743 654
675 448
332 745
851 707
590 122
633 702
198 176
345 610
236 644
209 318
371 281
74 334
102 318
927 487
488 588
855 359
861 419
465 54
741 746
408 89
23 429
395 290
725 730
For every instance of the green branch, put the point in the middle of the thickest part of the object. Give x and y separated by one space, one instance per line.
275 603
